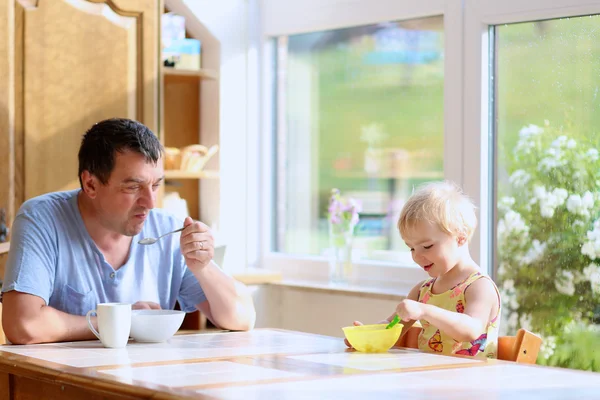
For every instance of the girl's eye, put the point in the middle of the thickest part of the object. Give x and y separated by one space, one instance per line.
428 247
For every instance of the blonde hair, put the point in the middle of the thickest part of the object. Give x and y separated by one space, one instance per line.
443 204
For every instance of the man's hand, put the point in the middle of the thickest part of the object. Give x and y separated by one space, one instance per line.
410 310
197 244
145 305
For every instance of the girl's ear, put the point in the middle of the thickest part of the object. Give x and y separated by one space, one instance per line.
461 240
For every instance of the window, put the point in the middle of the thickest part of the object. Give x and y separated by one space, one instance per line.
359 109
548 180
530 156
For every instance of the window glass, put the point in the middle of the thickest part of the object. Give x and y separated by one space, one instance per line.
361 110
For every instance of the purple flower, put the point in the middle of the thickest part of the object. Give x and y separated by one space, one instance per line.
343 211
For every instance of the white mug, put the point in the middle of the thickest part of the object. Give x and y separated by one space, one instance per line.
114 323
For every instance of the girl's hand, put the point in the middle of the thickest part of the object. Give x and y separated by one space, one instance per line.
356 323
410 310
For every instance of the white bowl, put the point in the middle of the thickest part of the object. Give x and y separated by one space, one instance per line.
155 325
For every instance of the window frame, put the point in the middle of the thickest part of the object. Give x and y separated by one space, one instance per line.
479 139
281 18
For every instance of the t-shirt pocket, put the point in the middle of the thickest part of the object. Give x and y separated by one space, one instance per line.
77 301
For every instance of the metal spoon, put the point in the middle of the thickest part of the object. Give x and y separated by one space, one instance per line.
152 240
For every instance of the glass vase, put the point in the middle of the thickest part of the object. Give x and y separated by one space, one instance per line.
340 260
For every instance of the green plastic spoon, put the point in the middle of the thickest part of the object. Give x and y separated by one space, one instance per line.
393 322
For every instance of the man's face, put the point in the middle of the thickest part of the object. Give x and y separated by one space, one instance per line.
124 202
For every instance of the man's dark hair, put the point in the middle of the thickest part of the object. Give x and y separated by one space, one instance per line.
104 140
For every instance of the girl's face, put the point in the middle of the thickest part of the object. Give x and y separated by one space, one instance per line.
436 251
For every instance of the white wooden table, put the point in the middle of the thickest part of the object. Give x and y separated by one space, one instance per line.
265 364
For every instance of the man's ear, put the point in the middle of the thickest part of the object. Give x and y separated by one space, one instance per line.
89 184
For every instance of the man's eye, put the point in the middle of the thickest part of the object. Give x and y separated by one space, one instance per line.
412 249
428 247
133 187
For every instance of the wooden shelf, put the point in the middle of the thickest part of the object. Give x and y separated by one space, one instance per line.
191 74
177 174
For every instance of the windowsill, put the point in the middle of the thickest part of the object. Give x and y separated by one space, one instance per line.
373 280
372 291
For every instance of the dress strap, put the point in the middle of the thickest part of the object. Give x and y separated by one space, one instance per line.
472 278
426 285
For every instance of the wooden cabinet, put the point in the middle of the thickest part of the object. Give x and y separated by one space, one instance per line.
67 64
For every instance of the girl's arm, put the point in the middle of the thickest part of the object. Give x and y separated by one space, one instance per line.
413 295
482 306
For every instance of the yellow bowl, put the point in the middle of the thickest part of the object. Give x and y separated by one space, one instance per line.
372 338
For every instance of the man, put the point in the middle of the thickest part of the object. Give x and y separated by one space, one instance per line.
72 250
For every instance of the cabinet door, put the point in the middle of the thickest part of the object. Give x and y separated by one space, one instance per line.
79 62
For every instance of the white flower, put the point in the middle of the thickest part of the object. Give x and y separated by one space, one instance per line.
548 346
549 163
512 225
547 212
509 298
571 144
588 250
508 285
549 200
565 283
505 204
560 194
588 200
512 321
525 321
539 192
581 205
528 139
592 154
591 247
519 178
529 131
535 252
592 273
559 141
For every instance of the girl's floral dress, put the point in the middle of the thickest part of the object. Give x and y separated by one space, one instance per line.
431 339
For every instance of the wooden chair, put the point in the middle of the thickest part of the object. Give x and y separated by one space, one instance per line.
522 348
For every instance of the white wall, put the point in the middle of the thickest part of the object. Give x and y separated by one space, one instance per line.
227 21
316 312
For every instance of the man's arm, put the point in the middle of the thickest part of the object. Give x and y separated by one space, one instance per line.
27 319
229 303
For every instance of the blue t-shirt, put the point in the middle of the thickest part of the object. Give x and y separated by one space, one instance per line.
52 256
